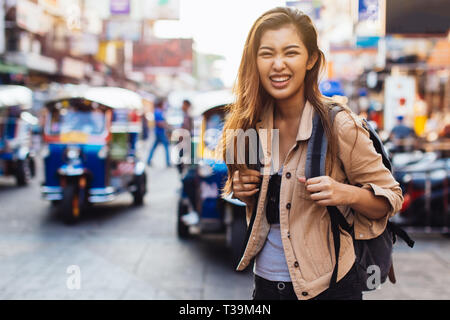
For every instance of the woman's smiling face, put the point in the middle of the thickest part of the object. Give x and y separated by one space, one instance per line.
282 61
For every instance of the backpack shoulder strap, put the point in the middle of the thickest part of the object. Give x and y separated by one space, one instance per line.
314 167
317 145
378 144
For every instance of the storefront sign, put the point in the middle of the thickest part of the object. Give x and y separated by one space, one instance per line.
72 68
169 54
119 7
368 10
309 7
123 30
367 42
33 61
162 9
399 94
29 15
84 43
52 6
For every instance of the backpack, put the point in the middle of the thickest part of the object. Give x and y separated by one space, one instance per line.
369 253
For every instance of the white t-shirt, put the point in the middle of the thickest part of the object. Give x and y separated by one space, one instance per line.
270 263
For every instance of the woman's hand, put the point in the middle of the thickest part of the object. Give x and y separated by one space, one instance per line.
246 185
326 191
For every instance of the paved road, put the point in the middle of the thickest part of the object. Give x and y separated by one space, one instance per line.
126 252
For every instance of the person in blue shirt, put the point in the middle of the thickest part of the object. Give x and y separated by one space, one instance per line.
160 133
402 136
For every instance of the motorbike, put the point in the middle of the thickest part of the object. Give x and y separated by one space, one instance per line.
424 179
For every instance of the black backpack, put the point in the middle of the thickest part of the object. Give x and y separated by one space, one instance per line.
373 252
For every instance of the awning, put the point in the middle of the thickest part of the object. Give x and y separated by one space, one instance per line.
33 61
11 68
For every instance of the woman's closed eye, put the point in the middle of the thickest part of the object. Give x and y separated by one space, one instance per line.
265 54
292 53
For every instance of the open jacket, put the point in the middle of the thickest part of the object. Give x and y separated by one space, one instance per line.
305 226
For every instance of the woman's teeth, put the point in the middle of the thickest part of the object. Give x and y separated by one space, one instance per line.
280 79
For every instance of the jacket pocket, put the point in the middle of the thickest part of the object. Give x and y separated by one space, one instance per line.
301 188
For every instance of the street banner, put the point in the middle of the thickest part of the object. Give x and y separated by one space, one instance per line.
163 55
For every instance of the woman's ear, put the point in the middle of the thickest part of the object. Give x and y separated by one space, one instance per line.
312 61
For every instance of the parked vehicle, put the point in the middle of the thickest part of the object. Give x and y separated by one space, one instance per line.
201 208
424 179
91 149
16 155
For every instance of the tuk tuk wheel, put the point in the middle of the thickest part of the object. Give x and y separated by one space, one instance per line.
23 172
71 204
141 188
182 228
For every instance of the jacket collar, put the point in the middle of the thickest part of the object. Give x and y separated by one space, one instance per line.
265 125
306 123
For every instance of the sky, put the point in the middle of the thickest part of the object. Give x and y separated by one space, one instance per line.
218 27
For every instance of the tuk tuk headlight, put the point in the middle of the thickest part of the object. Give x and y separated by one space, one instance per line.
407 178
45 151
205 170
103 152
73 153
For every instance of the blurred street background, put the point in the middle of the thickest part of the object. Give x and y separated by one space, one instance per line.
145 234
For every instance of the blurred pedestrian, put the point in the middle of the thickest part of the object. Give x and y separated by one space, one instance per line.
402 136
186 125
187 119
161 127
277 88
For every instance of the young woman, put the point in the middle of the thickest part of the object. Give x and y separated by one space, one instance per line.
290 239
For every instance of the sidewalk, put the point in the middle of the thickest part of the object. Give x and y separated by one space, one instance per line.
422 272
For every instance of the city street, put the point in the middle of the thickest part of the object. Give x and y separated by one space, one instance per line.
126 252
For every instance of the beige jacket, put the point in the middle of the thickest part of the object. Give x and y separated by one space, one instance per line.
305 227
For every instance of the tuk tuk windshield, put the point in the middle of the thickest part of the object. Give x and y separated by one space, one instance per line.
8 121
69 120
213 133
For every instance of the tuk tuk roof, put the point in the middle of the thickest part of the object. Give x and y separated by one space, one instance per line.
113 97
205 101
14 95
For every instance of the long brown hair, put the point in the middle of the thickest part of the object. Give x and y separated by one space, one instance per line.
251 96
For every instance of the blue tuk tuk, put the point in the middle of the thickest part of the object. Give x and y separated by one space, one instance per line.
201 208
91 149
16 155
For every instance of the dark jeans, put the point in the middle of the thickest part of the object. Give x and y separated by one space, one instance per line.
346 289
160 139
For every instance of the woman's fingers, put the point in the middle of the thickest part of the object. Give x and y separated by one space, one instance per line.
317 187
243 194
251 172
250 179
245 187
320 196
247 176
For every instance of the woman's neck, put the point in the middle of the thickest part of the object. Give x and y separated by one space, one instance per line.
290 109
